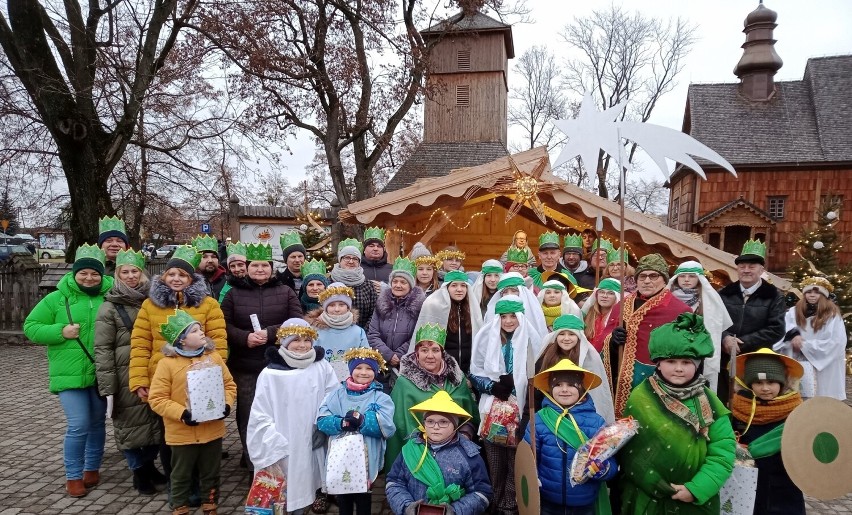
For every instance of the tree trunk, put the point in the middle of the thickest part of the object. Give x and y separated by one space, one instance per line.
90 199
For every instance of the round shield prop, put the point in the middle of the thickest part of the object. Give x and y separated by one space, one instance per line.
816 447
526 480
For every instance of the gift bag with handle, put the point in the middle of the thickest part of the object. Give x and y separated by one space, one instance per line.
346 465
739 492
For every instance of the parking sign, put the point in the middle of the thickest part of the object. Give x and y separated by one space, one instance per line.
205 228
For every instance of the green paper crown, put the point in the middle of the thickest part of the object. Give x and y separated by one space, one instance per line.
754 248
91 252
205 243
258 252
189 254
130 257
350 242
175 325
516 255
236 249
111 223
613 255
290 238
313 267
405 265
374 233
432 333
548 237
602 243
574 241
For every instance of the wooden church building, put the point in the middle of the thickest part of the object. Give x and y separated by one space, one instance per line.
788 140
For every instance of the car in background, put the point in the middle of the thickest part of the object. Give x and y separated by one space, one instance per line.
50 253
164 251
7 251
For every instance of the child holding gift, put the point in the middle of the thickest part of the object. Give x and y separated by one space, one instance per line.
684 451
281 427
337 331
440 466
760 409
360 406
196 446
566 420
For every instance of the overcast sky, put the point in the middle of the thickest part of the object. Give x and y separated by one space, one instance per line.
805 29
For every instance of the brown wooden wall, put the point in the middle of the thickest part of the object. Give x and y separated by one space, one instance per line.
804 190
487 53
484 119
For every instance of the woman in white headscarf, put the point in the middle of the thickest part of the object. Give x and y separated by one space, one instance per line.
485 285
512 283
689 284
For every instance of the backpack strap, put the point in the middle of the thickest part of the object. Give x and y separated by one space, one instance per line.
79 342
119 308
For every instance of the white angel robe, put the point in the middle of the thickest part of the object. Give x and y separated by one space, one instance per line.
281 425
825 350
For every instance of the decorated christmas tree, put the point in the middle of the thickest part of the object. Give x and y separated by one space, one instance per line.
817 251
313 238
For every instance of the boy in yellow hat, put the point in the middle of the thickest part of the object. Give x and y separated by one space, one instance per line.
439 466
760 409
566 420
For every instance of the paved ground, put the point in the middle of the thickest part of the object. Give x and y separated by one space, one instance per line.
31 472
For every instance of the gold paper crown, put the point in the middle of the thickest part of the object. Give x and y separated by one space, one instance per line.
428 260
296 330
816 281
365 353
450 254
336 290
130 257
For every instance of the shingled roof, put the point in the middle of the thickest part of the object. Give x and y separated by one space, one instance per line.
476 22
437 159
807 121
740 202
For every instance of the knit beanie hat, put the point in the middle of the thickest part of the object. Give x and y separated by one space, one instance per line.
655 263
767 368
337 292
358 355
290 242
418 250
349 247
686 338
89 257
454 419
574 379
293 328
404 268
109 227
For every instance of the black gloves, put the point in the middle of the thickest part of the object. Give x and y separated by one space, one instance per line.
226 412
186 418
352 421
501 390
619 336
792 333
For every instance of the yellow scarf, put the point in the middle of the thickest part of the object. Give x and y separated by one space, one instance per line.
551 313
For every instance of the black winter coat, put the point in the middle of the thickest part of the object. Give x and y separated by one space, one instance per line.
272 302
287 278
759 323
377 270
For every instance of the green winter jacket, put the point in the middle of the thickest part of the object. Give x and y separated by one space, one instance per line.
134 423
68 366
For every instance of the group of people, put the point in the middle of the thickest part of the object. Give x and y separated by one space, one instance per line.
431 367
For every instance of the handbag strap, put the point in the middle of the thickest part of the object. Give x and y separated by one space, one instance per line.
79 342
125 318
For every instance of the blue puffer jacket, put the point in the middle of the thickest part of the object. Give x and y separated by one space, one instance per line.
461 464
554 457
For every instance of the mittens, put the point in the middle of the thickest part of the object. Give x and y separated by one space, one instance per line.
352 421
186 418
226 412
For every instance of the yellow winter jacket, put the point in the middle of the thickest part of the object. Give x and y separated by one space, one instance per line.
167 398
146 341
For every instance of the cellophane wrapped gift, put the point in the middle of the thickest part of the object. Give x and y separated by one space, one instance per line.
347 465
268 493
600 447
205 391
500 425
739 492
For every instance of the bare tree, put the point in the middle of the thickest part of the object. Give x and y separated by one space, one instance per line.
626 57
646 196
537 99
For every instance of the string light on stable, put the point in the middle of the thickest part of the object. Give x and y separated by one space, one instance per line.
450 220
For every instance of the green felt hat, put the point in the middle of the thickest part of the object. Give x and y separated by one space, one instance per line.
516 255
374 234
313 267
130 257
568 322
655 263
187 253
258 252
431 333
236 249
573 242
548 240
289 238
686 338
175 325
205 243
404 264
754 251
350 242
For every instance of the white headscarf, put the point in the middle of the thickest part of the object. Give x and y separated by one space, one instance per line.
569 307
590 359
532 308
479 284
436 310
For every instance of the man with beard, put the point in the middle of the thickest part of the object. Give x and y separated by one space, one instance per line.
112 238
236 262
375 262
209 267
294 253
572 260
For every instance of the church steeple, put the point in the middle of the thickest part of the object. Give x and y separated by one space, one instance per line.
760 61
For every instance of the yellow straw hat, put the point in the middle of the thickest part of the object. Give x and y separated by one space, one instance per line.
542 379
794 368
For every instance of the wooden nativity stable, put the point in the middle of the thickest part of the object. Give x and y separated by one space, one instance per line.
462 209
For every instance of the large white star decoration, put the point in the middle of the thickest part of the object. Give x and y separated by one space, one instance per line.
595 130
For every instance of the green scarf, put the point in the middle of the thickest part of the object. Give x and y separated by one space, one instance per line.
767 444
425 469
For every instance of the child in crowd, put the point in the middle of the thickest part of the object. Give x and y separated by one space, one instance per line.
566 420
485 285
597 310
314 282
511 283
427 268
760 409
568 341
196 447
555 301
451 260
360 406
690 285
684 452
439 466
336 328
281 426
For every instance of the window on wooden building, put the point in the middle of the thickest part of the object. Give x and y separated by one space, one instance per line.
776 207
674 213
463 60
463 95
